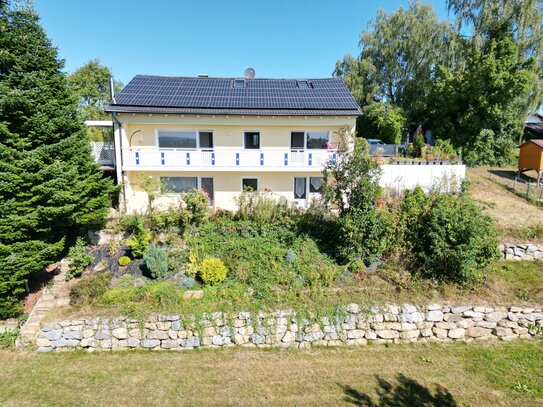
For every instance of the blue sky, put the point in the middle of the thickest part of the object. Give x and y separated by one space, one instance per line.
279 38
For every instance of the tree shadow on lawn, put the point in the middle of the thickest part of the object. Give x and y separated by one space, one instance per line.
406 392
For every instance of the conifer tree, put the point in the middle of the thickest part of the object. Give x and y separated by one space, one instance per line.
50 188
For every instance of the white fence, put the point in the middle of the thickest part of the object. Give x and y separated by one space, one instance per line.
446 178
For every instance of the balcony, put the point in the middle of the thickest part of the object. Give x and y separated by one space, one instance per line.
103 152
224 159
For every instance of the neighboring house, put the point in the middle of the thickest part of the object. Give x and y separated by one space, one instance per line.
224 135
533 126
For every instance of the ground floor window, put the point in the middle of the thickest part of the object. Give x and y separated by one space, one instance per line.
177 185
301 185
249 184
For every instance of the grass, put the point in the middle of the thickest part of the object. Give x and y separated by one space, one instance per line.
476 374
516 219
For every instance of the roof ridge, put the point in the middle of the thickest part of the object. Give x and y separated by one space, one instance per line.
236 77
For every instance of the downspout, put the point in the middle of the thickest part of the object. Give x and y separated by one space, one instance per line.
114 119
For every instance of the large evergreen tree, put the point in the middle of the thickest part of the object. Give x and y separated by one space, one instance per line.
50 188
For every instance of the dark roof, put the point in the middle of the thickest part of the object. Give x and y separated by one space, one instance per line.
216 96
536 128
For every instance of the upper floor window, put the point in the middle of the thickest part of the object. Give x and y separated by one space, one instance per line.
317 139
184 139
304 84
238 83
252 140
310 140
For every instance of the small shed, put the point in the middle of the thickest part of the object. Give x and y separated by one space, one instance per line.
531 157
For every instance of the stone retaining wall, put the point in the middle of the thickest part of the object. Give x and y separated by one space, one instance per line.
407 323
521 251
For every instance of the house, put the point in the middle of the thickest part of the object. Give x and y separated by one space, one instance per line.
533 126
226 135
531 157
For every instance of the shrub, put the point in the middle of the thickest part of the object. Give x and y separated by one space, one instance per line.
7 339
139 243
131 223
124 261
156 261
163 293
447 237
171 219
262 208
190 268
90 288
196 202
188 282
79 258
212 271
418 145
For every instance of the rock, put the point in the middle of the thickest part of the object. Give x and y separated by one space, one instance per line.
408 309
486 324
495 316
445 325
133 342
73 335
353 308
434 316
44 349
51 327
192 342
412 317
515 309
169 344
500 332
453 317
102 334
355 334
478 332
474 315
157 335
433 307
314 336
457 333
440 333
483 309
465 323
408 335
257 339
43 342
387 334
54 335
150 343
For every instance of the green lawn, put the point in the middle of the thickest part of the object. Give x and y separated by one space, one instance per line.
476 374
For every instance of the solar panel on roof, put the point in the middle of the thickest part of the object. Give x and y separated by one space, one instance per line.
181 92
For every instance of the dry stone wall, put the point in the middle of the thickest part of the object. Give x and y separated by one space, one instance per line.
521 251
356 326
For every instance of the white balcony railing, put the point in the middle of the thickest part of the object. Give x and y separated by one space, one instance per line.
224 159
103 152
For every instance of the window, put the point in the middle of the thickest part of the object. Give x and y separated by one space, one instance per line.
297 140
177 185
206 139
315 184
185 139
249 184
304 84
177 139
317 140
300 188
311 140
252 140
238 83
